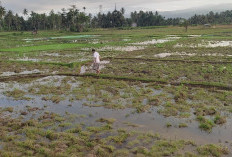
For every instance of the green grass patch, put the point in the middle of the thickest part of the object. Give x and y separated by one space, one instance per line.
49 47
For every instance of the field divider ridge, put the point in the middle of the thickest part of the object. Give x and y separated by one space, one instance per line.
169 60
214 85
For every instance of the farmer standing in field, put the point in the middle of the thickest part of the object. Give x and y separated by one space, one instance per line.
96 61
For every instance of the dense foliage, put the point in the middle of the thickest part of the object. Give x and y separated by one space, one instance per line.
212 18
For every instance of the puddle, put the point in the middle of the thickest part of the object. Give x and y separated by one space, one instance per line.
219 44
62 37
51 54
163 55
140 56
67 57
85 69
208 44
35 71
27 59
157 41
191 36
194 36
62 55
119 48
95 42
126 39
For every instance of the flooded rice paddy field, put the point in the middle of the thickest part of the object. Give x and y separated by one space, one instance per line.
171 71
120 112
161 92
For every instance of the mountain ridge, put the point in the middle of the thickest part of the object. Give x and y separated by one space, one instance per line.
187 13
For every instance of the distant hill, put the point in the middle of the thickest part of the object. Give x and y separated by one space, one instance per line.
192 11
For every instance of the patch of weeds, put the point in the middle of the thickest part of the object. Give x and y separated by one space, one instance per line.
121 153
183 125
16 94
99 151
120 138
8 109
90 105
210 111
140 150
184 115
212 150
114 106
181 93
142 108
166 148
168 111
154 101
55 98
59 118
219 120
106 120
131 124
99 129
205 124
76 129
168 124
133 143
65 124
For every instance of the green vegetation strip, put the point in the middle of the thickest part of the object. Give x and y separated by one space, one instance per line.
193 84
70 65
62 37
215 85
170 60
49 47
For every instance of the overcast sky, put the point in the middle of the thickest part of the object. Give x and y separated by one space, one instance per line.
107 5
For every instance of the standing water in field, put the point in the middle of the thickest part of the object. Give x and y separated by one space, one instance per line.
89 104
62 37
157 41
207 44
84 69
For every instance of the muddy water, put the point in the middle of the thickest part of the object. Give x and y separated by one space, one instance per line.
164 55
35 71
28 59
146 121
61 37
157 41
207 44
85 69
151 121
121 48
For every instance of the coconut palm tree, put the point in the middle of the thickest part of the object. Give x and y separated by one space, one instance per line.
9 19
25 12
2 13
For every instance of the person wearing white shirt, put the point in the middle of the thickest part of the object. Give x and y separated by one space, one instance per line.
96 61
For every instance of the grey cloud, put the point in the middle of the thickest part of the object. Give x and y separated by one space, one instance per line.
93 5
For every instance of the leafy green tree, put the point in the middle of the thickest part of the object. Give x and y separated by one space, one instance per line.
2 14
185 24
9 19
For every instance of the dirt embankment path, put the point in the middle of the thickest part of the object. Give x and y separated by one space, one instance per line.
211 85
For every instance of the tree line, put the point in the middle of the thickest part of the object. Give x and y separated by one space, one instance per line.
212 18
72 19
